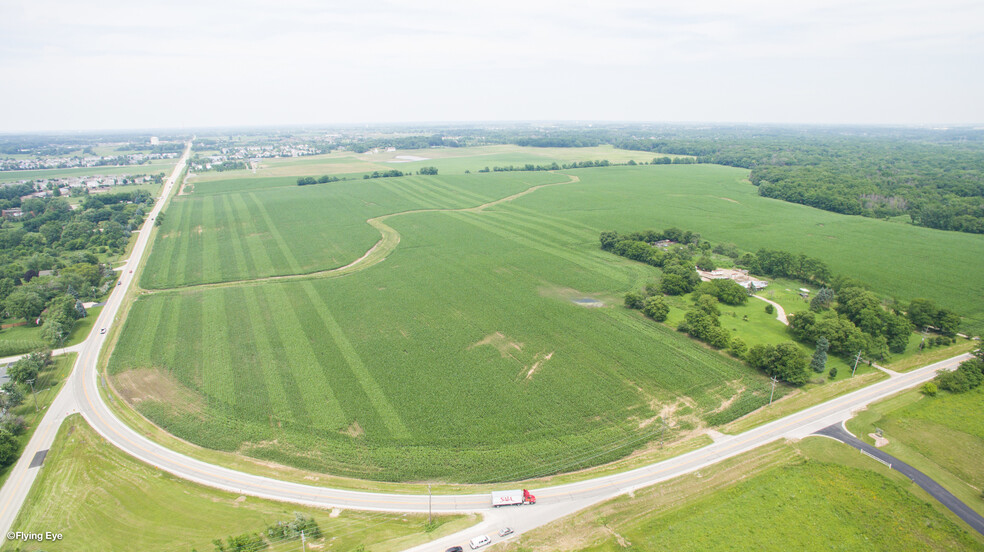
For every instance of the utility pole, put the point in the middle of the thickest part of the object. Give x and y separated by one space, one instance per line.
35 395
303 545
775 380
429 518
856 360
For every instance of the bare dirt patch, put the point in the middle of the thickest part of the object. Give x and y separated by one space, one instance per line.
538 363
879 440
672 415
354 430
738 388
731 200
503 344
148 384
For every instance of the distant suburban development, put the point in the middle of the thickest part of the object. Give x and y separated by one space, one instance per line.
530 337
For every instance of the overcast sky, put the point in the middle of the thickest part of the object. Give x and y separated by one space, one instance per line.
67 64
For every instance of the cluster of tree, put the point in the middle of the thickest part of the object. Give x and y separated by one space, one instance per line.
969 375
53 301
843 319
935 177
785 361
428 171
383 174
845 316
936 341
724 290
650 302
49 228
291 530
23 374
673 160
610 239
854 320
552 167
783 264
703 322
403 143
52 237
924 314
323 179
119 160
247 542
276 534
559 140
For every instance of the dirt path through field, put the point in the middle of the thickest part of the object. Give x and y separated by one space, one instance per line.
389 239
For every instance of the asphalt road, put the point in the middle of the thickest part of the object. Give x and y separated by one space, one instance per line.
840 433
22 476
81 393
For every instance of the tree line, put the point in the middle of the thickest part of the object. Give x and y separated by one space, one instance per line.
844 317
935 179
323 179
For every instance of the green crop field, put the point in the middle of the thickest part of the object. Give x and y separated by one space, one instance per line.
464 346
896 260
460 341
280 228
99 498
812 495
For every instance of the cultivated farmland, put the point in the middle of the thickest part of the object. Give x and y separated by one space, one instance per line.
463 356
273 227
464 347
896 260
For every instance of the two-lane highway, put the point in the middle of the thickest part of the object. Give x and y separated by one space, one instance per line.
25 471
81 393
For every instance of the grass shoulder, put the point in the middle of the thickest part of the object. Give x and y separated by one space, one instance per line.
942 436
101 499
786 487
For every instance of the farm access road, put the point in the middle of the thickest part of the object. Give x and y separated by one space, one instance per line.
81 394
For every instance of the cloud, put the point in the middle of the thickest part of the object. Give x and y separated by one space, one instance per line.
240 62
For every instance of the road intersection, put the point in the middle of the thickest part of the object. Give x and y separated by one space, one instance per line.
81 393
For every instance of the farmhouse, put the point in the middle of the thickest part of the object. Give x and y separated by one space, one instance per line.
12 213
738 275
